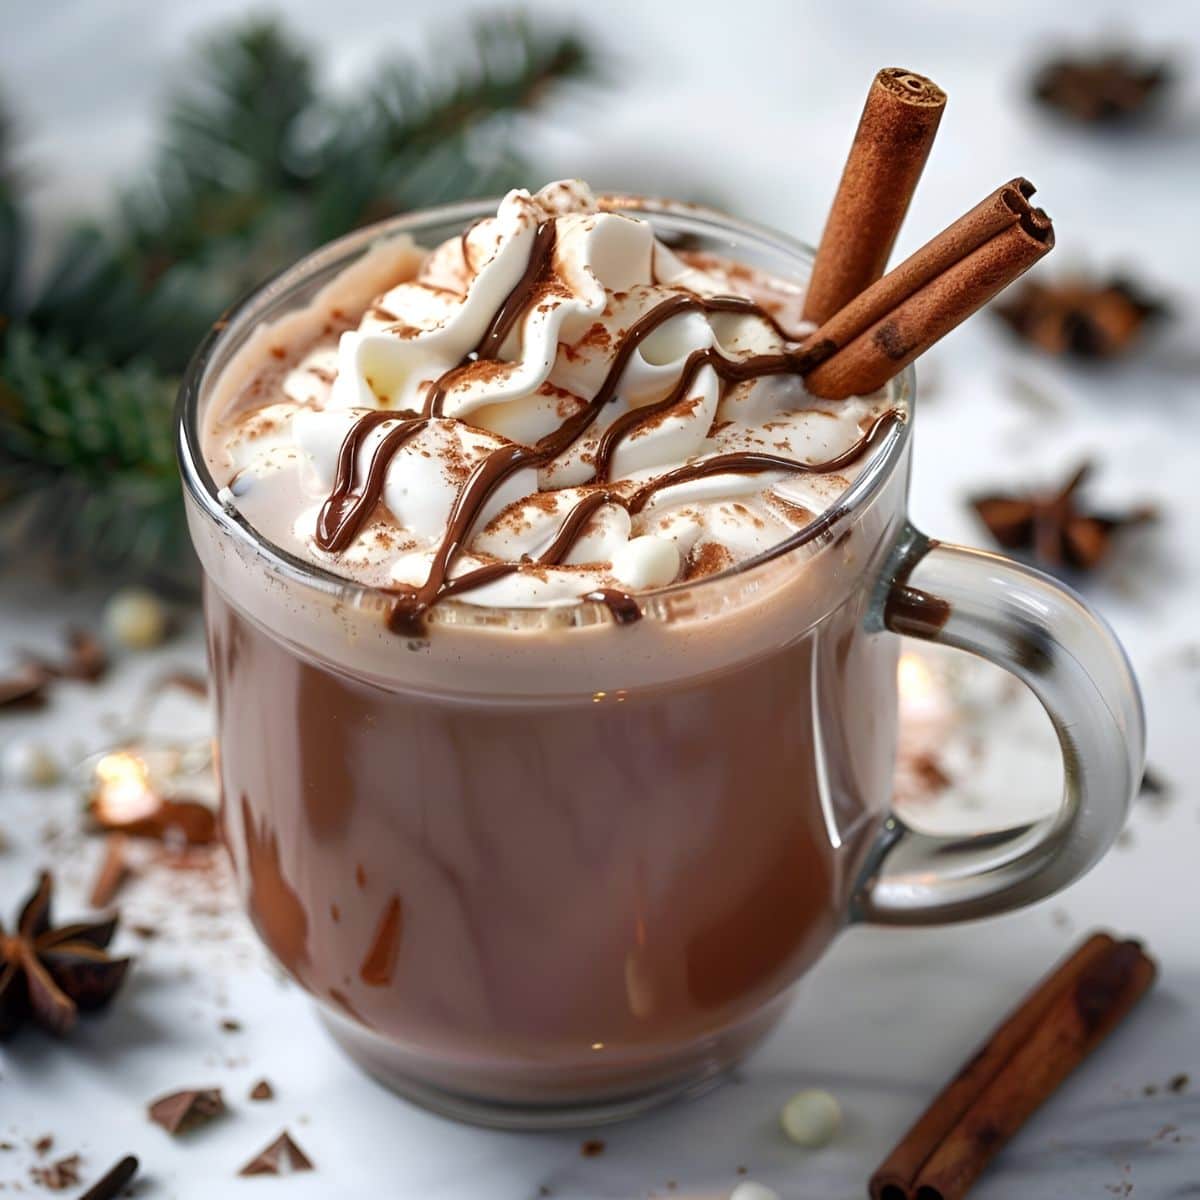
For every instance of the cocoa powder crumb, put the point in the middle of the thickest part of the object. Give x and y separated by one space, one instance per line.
797 514
708 558
57 1176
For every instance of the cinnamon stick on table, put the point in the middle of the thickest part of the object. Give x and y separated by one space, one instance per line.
878 333
890 147
1026 1058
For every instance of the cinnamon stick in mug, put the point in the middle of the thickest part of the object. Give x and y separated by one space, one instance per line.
1020 1065
900 316
890 147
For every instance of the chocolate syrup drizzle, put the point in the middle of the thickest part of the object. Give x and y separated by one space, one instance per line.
350 502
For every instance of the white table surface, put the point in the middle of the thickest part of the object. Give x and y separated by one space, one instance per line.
756 112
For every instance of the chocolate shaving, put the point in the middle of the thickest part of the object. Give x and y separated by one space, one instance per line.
180 1112
1052 527
1153 784
49 974
1081 318
262 1090
281 1157
1155 792
592 1148
114 870
24 685
182 680
1110 88
86 659
109 1185
929 774
193 820
57 1176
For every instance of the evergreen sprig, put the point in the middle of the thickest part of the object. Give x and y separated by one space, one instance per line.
87 469
256 165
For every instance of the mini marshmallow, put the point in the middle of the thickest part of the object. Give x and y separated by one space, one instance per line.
136 618
30 764
646 562
749 1190
811 1118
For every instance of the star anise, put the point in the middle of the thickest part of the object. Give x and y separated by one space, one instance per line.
49 974
1080 317
1051 525
1103 89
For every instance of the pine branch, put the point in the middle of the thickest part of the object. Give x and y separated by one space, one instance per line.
12 222
230 146
256 167
86 459
421 138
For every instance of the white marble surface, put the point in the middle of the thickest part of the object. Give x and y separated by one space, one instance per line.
886 1016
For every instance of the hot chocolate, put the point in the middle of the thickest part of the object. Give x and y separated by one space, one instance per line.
551 579
525 858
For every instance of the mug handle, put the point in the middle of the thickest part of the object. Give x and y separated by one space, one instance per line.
1048 638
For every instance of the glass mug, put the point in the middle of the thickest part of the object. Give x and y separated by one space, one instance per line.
541 868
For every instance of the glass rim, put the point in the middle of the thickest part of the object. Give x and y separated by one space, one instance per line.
200 486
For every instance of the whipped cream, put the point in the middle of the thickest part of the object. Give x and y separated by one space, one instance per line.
542 328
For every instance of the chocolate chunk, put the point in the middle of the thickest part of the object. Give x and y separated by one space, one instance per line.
1153 784
86 659
281 1157
262 1090
57 1176
24 685
186 1110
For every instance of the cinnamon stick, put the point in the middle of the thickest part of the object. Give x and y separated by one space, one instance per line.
1023 1062
890 147
900 316
113 1181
